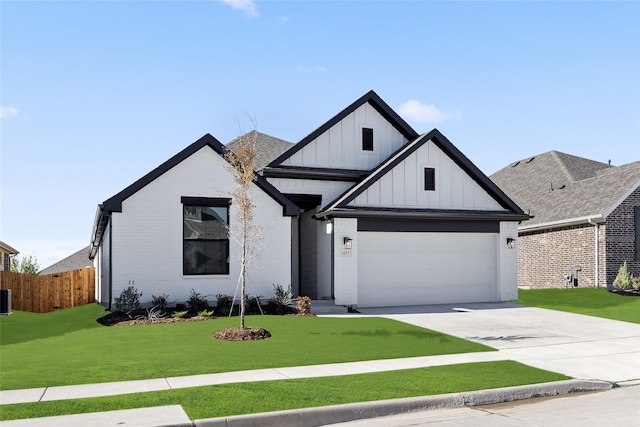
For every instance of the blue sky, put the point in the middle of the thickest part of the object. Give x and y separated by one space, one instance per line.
96 94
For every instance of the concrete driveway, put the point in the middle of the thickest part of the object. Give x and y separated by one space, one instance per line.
583 347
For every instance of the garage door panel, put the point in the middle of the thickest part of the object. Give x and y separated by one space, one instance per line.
425 268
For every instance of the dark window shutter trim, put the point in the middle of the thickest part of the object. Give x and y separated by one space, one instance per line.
367 139
429 179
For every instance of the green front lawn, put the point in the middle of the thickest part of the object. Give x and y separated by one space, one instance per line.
69 347
590 301
246 398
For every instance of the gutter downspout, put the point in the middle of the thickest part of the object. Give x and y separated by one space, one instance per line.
597 250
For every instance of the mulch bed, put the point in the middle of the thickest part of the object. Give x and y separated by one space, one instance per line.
246 334
119 318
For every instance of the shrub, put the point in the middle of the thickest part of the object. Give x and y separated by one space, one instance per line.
197 303
624 280
153 314
161 302
179 314
253 304
283 296
224 304
303 305
205 313
128 300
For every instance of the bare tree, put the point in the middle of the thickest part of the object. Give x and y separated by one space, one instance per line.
247 234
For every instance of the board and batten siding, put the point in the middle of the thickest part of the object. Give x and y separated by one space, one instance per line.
341 146
147 236
403 186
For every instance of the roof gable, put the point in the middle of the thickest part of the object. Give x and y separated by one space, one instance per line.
367 110
377 189
557 188
114 204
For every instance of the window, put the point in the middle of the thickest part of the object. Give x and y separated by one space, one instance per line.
367 139
429 179
205 223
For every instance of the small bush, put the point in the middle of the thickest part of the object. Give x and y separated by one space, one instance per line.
303 305
253 304
205 313
624 281
153 314
197 303
224 304
179 314
160 302
129 300
282 296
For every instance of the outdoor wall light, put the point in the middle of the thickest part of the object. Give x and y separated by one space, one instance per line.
329 228
347 242
511 243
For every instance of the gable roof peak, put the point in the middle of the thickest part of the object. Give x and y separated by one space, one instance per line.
370 97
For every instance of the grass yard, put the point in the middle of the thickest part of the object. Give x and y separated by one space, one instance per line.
69 347
235 399
590 301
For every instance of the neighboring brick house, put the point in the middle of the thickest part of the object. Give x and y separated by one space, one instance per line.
6 252
585 219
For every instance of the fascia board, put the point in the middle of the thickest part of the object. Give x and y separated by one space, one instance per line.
590 219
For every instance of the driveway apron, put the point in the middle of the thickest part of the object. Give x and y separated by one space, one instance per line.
583 347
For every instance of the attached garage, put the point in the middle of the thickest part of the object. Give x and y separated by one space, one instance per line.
407 268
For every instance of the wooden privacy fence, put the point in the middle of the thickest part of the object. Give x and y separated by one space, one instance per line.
41 294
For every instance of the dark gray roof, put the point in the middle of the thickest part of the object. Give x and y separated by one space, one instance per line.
267 147
74 261
555 187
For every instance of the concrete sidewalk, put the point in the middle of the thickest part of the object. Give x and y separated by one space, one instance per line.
597 352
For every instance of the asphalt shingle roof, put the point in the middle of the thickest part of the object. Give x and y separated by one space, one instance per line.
555 186
74 261
268 147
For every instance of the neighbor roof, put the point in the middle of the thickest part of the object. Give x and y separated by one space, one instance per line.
74 261
8 249
561 189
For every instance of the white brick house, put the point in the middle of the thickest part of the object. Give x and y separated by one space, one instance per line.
363 211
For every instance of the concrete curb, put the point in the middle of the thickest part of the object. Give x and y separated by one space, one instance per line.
319 416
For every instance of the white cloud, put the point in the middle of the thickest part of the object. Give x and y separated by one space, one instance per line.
416 110
247 6
8 112
318 69
283 19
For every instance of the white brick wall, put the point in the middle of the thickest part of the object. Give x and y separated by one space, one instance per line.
147 236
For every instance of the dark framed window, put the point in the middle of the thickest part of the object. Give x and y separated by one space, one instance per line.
429 179
367 139
205 225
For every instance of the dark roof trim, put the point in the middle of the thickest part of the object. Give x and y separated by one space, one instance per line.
425 214
450 150
114 204
376 102
298 172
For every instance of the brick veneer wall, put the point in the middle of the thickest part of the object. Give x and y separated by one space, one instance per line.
546 256
620 238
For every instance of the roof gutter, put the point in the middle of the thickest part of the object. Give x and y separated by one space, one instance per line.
591 219
99 225
420 214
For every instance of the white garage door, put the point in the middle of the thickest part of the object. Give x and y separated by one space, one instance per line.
426 268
